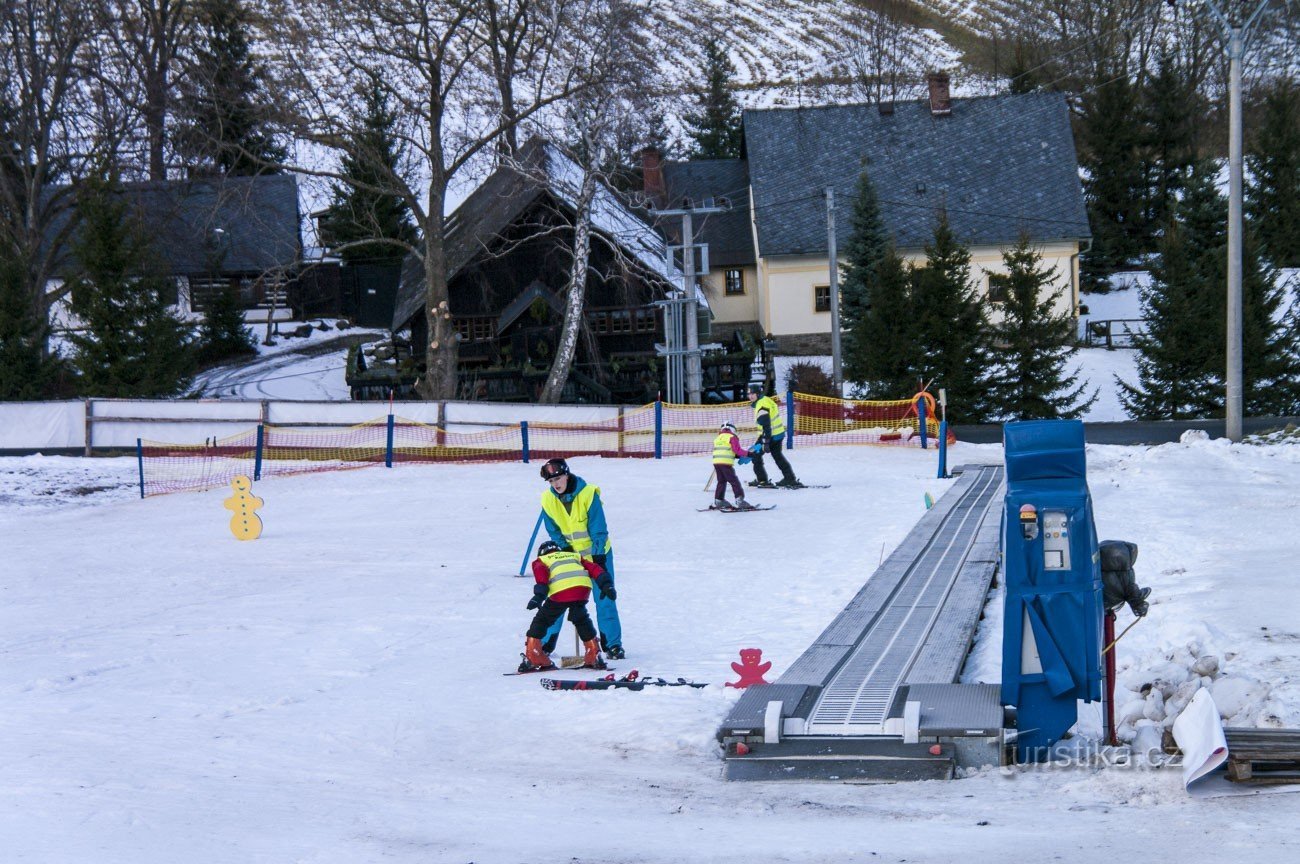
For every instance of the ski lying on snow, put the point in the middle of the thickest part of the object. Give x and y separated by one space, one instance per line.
756 508
630 681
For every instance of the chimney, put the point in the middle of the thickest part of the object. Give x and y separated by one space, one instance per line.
652 174
940 101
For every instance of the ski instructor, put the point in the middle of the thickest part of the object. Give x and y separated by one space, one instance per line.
574 516
771 433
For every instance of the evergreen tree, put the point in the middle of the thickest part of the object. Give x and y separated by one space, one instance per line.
25 371
1110 138
880 350
865 249
951 333
225 116
1182 355
715 124
1034 343
132 345
360 212
1273 194
1171 113
223 333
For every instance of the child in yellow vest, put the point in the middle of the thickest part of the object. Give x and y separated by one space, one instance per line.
727 453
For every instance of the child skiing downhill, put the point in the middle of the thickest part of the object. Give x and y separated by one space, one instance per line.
726 453
564 579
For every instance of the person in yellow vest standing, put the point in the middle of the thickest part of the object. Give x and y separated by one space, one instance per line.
771 435
573 515
564 579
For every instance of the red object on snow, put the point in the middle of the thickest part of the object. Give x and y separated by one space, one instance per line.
935 749
750 668
741 748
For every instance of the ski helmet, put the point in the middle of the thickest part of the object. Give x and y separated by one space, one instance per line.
729 427
553 468
547 548
756 388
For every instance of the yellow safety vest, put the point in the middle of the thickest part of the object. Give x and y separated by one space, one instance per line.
722 452
768 404
573 519
566 571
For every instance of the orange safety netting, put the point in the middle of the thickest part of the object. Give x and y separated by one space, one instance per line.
825 420
657 429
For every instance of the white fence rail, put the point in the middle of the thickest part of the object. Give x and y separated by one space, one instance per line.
91 425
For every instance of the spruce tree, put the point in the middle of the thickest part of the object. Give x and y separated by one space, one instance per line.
25 370
1114 184
1034 343
1171 114
225 114
951 333
1181 362
132 345
1273 194
880 350
715 124
358 211
223 333
864 251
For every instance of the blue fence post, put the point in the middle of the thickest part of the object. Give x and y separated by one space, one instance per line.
523 436
257 460
388 446
139 458
659 429
789 420
920 415
943 449
528 550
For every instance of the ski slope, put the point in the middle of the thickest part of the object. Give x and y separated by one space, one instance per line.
332 691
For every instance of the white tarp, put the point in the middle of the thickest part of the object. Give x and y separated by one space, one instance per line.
42 425
506 412
178 409
307 413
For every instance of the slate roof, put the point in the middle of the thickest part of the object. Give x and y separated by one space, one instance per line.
258 218
1000 165
731 243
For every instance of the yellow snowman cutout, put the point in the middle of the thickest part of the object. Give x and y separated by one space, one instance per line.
244 524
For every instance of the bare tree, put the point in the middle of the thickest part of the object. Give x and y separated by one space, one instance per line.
880 52
147 40
432 59
46 117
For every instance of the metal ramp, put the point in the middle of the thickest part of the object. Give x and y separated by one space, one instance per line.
844 709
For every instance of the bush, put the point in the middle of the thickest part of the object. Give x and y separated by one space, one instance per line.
812 379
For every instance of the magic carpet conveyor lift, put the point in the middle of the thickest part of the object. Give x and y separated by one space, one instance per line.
876 696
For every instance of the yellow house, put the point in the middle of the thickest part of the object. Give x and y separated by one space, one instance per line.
998 166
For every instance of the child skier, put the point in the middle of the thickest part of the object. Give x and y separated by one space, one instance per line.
726 453
563 585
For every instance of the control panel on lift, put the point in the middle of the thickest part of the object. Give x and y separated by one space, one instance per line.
1056 540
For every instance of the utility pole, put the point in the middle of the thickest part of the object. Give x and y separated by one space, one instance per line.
837 369
1237 35
690 305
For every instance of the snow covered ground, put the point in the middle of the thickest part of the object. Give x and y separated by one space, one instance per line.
332 691
305 368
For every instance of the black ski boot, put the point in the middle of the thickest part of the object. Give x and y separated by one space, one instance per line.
762 484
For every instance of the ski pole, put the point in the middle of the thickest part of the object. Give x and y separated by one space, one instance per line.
523 565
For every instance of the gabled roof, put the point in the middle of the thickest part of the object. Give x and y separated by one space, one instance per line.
731 244
484 216
231 224
524 302
999 165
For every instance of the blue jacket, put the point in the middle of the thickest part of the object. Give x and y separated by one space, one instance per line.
596 526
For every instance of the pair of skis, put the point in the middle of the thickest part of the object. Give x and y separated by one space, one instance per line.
630 681
757 508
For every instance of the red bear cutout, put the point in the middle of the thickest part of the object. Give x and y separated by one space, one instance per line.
749 668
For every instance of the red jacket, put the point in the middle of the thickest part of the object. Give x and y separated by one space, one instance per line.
577 594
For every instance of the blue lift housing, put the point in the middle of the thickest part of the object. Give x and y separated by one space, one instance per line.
1051 643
